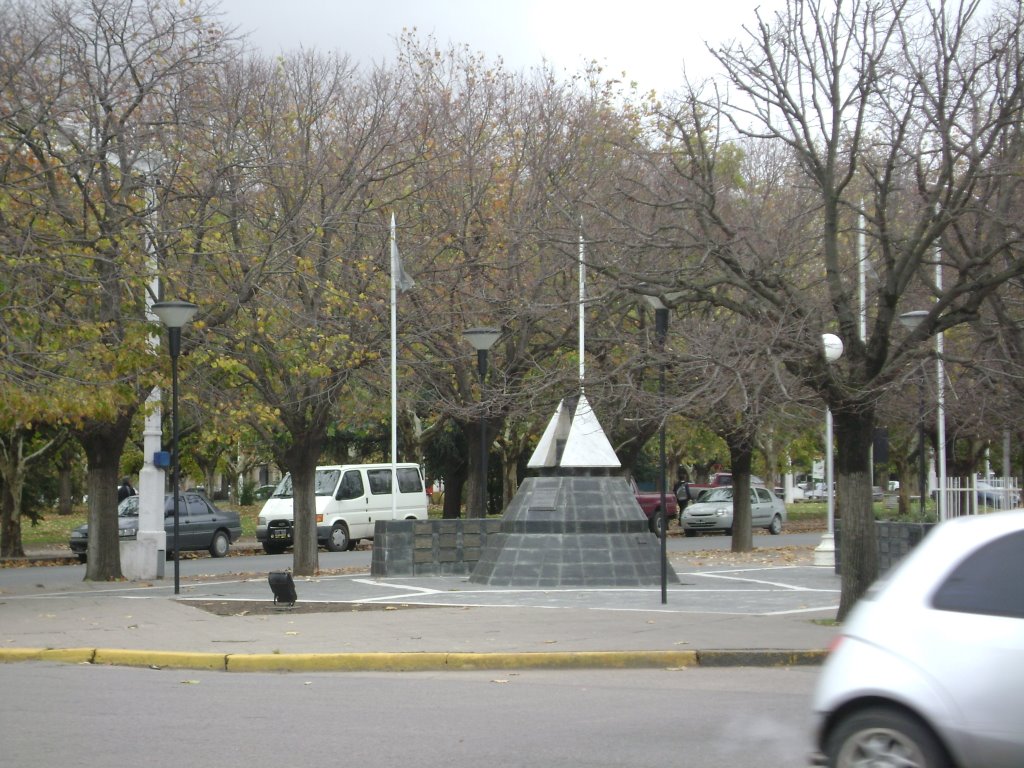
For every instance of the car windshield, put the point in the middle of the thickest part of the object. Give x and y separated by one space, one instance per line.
326 481
129 507
717 494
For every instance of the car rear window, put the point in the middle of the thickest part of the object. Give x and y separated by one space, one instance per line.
988 581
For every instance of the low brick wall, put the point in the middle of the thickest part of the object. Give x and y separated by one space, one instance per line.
895 540
430 547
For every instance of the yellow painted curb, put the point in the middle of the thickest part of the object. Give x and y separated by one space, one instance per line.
574 660
160 659
335 662
409 662
68 655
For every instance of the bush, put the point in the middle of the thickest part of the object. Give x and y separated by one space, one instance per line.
246 494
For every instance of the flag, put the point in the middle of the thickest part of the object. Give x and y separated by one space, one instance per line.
402 280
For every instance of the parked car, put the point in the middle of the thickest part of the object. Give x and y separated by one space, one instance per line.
650 503
990 495
201 525
927 670
795 491
718 480
713 511
815 492
263 493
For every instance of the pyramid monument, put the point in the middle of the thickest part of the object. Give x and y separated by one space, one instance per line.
574 524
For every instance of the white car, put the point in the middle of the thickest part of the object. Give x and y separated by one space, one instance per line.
928 671
713 511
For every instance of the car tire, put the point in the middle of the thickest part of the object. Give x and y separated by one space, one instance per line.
352 544
272 549
652 523
220 544
82 558
887 735
775 528
688 533
337 539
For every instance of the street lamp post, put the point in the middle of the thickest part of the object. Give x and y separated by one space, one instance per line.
174 314
825 552
911 320
660 334
482 339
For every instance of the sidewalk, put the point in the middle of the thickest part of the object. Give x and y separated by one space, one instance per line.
756 609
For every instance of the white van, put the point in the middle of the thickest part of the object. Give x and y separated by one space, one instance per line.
350 499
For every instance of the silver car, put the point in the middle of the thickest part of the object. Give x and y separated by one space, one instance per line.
713 511
928 671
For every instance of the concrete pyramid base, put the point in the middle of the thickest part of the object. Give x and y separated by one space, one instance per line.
572 531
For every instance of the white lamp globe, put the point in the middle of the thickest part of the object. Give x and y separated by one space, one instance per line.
833 346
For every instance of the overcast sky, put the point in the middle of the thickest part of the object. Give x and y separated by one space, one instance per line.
651 40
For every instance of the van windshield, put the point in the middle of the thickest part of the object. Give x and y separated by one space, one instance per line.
324 484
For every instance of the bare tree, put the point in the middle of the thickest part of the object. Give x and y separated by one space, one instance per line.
887 110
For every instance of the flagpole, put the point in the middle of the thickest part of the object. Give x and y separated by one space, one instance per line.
583 297
394 372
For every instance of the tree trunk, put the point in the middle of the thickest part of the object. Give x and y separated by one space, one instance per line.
854 429
66 502
454 482
476 498
103 444
10 525
301 460
741 456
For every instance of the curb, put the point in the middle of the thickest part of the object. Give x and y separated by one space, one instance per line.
412 662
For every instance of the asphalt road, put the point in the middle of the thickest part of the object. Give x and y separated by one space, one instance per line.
706 718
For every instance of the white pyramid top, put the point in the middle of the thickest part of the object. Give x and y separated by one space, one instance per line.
585 443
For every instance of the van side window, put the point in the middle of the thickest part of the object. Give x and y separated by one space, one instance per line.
409 480
380 480
351 485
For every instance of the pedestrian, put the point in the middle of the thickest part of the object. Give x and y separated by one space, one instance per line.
682 492
124 490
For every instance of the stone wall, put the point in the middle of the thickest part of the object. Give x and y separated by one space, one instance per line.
429 547
895 540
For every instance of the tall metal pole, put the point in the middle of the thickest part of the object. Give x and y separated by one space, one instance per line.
661 331
922 465
174 339
481 365
482 340
174 314
825 552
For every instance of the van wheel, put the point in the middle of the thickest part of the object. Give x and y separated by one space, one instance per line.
338 540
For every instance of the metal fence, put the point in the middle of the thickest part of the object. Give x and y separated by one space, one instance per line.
974 495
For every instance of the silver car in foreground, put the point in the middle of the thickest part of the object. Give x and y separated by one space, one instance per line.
928 671
713 511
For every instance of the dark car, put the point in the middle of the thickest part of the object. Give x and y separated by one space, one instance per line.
264 492
201 525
